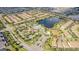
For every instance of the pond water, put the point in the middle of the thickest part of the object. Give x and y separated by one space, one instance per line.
49 22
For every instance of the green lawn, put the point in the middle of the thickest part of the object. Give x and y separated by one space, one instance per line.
1 25
48 44
12 42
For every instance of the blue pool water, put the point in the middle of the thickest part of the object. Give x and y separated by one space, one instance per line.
49 22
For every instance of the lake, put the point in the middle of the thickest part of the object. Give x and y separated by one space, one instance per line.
49 22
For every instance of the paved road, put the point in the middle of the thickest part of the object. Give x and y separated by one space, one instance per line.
39 44
36 47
